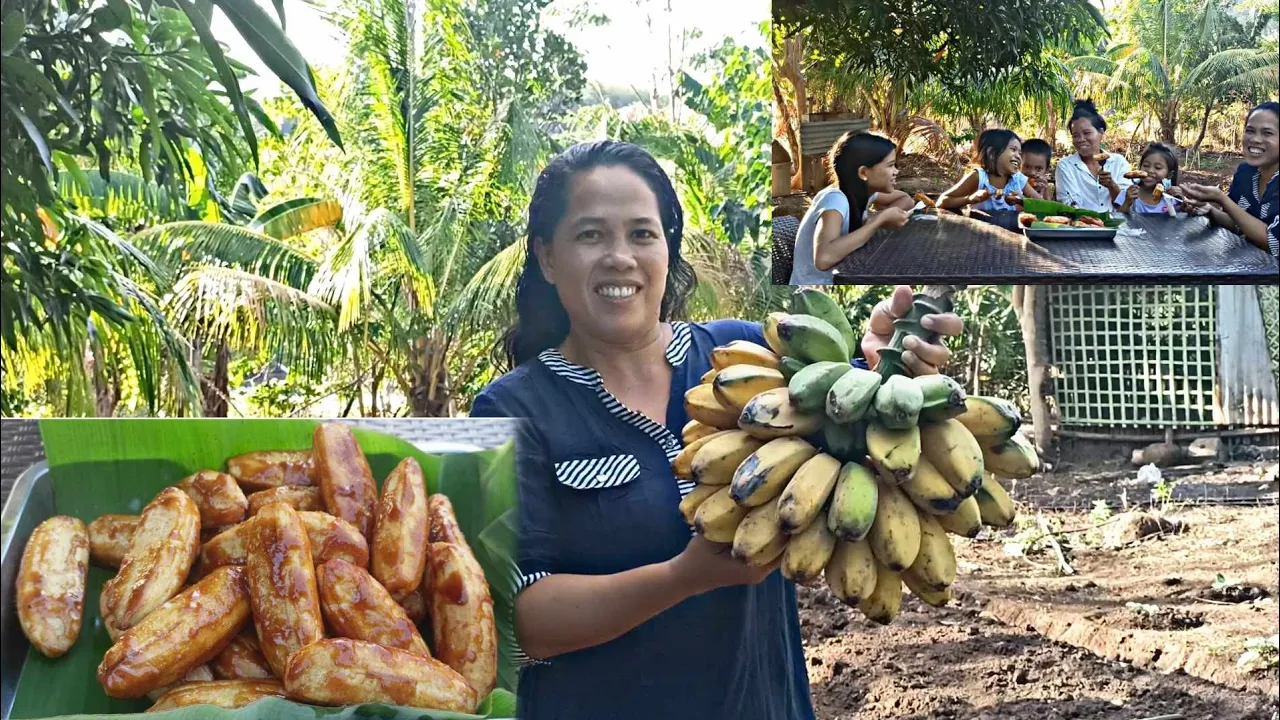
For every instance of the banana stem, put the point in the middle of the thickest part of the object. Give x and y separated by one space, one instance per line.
932 300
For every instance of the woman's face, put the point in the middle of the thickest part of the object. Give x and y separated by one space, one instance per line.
1085 137
1156 168
883 176
1010 161
1261 133
608 256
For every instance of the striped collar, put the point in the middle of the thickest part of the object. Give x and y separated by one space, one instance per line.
676 353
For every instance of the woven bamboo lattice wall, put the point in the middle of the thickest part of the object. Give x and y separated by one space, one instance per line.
1135 357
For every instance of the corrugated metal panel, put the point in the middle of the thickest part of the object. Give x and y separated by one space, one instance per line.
817 137
1246 393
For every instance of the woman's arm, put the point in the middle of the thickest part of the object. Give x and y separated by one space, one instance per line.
962 193
830 247
563 613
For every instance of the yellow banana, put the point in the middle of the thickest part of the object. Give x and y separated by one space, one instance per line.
994 504
1013 458
771 333
851 572
803 497
894 452
742 352
884 602
735 385
717 460
718 516
758 540
772 415
936 598
930 491
694 430
952 449
701 403
708 377
808 552
935 564
989 417
764 473
966 521
691 502
682 466
895 534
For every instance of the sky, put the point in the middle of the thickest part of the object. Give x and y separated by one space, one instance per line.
623 52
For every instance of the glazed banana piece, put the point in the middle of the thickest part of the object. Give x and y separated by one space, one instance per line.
282 585
51 584
463 630
344 476
187 631
221 501
356 606
198 674
163 547
228 694
296 497
399 544
415 605
109 538
242 659
444 522
229 547
332 537
272 468
342 671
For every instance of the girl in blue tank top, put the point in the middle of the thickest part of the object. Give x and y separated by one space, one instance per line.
997 183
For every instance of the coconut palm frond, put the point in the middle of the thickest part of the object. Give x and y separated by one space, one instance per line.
487 301
181 243
297 216
345 279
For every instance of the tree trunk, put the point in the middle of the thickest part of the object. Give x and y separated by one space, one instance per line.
788 124
214 387
1051 127
1034 319
429 386
1204 126
106 384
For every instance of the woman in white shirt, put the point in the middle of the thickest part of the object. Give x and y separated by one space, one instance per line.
839 221
1092 179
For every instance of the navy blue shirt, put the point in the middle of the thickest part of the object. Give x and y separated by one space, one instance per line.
1259 202
597 496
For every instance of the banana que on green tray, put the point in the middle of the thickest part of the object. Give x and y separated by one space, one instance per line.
856 476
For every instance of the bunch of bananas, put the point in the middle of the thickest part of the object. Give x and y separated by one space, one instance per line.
839 470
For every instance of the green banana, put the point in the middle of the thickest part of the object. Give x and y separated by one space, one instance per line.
764 473
851 572
895 453
807 492
808 552
853 504
1014 458
809 301
812 339
851 396
943 397
895 533
846 443
898 403
789 366
809 387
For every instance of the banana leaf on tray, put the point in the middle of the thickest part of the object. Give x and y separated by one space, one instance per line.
117 466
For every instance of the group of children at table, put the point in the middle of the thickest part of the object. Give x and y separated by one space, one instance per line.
1007 170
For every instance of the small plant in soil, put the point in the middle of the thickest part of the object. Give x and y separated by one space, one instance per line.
1260 654
1098 515
1226 589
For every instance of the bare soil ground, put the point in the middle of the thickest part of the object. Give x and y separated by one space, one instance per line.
1022 641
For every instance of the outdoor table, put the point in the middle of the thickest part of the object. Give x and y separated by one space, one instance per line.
1148 249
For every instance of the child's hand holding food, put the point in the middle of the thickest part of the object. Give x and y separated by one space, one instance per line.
892 218
979 197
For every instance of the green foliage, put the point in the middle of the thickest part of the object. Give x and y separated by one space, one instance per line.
1261 654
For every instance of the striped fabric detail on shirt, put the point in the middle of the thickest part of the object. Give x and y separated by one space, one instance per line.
521 581
598 473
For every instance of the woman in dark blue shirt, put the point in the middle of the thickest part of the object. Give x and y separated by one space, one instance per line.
621 612
1250 207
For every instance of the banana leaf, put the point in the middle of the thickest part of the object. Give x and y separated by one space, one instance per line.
1048 208
117 466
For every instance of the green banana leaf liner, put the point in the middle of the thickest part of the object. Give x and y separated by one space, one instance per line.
1046 208
118 466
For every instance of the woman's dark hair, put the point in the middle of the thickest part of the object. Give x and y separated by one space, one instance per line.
1166 152
1085 109
1270 106
541 320
1036 146
850 153
991 144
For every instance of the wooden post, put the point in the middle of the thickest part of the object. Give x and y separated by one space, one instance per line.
1034 318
